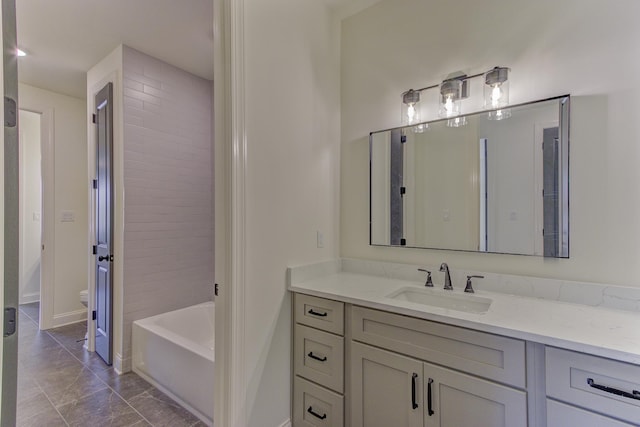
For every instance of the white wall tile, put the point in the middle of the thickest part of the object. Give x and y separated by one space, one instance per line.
168 188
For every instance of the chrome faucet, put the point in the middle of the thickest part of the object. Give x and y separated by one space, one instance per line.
447 277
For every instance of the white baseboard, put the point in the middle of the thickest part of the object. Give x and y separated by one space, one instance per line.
69 318
286 424
120 364
29 298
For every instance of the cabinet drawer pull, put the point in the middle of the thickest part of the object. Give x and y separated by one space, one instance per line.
414 404
320 359
315 313
315 414
429 407
635 394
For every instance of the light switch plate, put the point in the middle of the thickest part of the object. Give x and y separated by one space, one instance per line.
67 216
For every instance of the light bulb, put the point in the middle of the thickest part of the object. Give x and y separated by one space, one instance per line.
21 52
448 106
411 113
496 95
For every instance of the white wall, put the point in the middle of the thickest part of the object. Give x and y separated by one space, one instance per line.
70 253
168 240
292 180
30 206
553 48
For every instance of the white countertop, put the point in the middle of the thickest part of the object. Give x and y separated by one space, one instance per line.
599 331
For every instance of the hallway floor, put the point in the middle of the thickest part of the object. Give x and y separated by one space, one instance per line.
61 384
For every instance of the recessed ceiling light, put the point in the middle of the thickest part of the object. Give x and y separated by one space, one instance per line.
22 52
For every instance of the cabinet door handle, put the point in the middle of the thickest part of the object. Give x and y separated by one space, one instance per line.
315 414
429 404
414 404
635 394
320 359
315 313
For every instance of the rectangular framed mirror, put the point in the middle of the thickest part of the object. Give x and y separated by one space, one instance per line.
475 184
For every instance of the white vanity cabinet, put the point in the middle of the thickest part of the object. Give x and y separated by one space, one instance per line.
417 388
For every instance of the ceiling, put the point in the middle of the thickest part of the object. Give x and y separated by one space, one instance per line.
65 38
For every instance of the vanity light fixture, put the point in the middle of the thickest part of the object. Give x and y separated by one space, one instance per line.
453 90
496 93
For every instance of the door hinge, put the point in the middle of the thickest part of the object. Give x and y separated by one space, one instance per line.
403 191
93 118
403 242
9 321
94 183
403 139
10 112
215 289
93 315
94 250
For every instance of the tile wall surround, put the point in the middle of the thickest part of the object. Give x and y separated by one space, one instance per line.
584 293
168 240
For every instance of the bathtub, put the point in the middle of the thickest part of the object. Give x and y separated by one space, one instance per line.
174 352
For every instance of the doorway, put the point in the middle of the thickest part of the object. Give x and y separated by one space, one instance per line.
30 211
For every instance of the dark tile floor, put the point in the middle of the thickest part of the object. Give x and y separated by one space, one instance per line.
61 384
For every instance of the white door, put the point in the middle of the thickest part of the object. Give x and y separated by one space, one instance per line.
9 159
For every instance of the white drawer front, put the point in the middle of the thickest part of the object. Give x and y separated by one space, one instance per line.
319 357
598 384
320 313
563 415
485 355
314 406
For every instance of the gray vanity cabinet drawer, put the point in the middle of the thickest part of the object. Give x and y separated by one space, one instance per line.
576 377
319 357
314 406
489 356
562 415
320 313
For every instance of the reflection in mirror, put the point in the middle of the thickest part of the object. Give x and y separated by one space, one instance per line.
490 185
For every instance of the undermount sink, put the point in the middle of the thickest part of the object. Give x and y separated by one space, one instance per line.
442 299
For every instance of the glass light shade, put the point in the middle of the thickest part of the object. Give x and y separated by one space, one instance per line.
457 122
410 107
450 100
501 114
420 128
496 93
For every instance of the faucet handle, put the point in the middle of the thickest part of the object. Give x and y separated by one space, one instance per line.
469 288
428 283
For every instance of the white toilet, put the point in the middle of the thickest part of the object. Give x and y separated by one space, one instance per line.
84 297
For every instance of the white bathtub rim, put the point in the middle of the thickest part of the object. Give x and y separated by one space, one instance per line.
202 417
201 350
